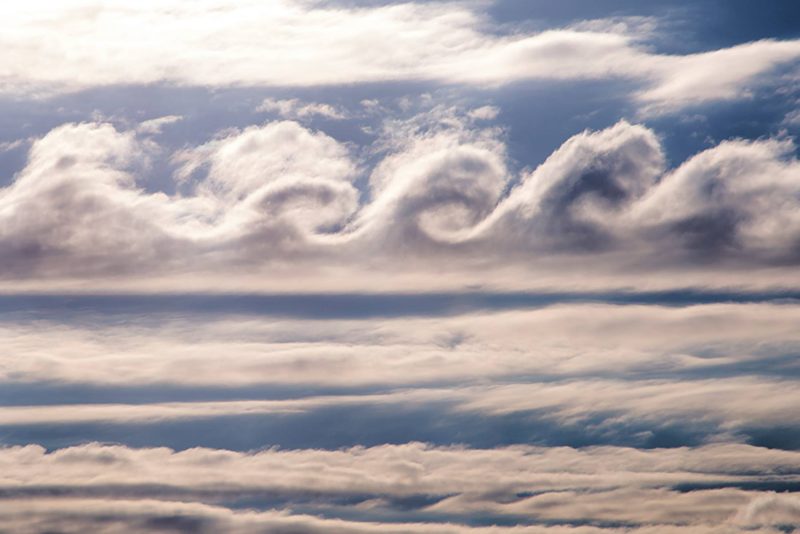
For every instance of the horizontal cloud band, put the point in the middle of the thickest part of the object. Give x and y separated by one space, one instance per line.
528 484
291 43
281 199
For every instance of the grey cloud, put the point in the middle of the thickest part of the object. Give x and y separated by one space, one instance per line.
77 194
730 201
433 192
570 201
267 195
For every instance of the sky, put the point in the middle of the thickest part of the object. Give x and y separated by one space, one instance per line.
375 266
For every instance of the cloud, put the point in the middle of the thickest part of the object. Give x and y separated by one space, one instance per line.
572 200
154 126
724 405
441 193
432 188
729 201
8 146
772 509
725 74
314 323
568 342
601 484
484 113
792 118
76 198
391 470
77 205
634 506
712 409
295 109
143 516
292 43
713 372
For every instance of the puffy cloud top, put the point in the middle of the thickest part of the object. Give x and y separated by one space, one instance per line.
279 192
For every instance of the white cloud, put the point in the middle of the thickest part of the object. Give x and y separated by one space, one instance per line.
722 407
770 509
73 516
636 506
566 342
484 113
154 126
731 403
600 484
291 43
78 193
7 146
159 412
78 197
610 484
395 470
435 203
573 199
726 74
260 197
433 186
637 26
295 109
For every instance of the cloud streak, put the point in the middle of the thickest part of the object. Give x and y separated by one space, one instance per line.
602 484
295 43
563 341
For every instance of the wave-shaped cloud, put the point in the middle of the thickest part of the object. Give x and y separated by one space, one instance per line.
365 314
267 195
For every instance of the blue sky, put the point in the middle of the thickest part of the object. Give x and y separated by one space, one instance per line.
423 267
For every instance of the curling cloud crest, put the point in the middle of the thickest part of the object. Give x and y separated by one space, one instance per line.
281 192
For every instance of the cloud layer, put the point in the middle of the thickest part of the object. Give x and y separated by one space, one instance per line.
296 43
308 266
534 485
715 376
565 341
253 200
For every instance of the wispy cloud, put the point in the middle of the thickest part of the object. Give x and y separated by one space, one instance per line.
295 109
